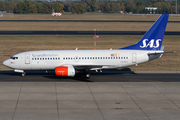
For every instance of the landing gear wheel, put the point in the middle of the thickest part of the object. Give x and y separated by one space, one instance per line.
23 74
87 75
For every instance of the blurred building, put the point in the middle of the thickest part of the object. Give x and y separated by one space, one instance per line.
151 9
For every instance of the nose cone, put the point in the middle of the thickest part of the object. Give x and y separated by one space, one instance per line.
6 63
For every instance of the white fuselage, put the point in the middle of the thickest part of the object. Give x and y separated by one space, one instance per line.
67 62
50 59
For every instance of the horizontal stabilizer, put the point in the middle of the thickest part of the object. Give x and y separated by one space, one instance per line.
155 53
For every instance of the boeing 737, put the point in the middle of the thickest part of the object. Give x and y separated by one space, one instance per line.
69 62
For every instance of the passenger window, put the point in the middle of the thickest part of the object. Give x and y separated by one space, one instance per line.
37 58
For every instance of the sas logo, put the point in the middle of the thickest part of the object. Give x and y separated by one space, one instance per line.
151 43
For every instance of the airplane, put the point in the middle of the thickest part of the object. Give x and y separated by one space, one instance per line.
68 62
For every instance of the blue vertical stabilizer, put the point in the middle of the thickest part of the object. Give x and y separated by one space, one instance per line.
153 38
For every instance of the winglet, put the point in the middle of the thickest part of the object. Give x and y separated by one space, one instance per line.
153 38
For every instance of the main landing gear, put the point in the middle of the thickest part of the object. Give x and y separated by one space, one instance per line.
86 73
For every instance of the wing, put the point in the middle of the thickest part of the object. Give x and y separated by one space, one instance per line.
96 67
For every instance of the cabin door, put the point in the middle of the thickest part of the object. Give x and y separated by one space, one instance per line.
27 59
134 57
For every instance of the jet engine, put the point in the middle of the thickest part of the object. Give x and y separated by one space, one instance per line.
65 71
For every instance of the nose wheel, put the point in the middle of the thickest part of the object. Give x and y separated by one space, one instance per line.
23 74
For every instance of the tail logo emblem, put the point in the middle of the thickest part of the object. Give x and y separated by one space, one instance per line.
147 43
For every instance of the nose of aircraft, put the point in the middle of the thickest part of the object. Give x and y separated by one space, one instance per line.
6 63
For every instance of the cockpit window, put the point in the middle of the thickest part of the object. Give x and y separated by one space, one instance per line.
14 58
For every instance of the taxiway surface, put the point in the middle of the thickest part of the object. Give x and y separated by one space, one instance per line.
105 96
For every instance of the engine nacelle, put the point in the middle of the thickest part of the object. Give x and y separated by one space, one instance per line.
65 71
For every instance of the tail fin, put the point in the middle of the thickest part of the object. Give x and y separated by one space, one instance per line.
153 38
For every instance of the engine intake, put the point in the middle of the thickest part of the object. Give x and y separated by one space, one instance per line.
65 71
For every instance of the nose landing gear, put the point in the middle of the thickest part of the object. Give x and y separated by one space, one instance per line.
20 71
23 74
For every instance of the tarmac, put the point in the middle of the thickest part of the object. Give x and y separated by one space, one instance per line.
105 96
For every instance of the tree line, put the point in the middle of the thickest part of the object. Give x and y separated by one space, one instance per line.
82 6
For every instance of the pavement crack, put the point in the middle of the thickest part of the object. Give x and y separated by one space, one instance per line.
165 96
95 102
136 103
57 101
17 101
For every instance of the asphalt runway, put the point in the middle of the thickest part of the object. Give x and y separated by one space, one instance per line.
105 76
110 95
